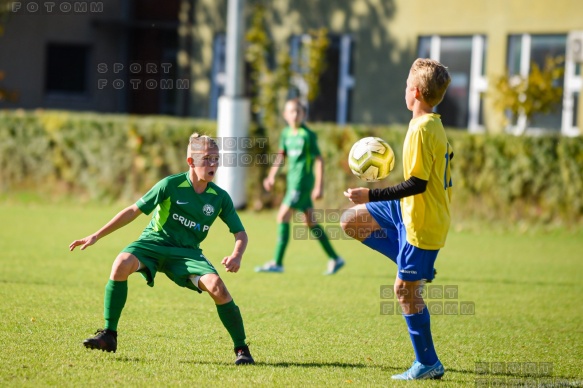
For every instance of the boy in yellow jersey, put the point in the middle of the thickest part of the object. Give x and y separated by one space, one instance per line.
409 222
183 208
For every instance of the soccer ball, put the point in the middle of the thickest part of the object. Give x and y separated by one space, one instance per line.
371 159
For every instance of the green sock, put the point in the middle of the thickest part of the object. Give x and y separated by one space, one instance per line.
116 294
321 236
282 239
230 315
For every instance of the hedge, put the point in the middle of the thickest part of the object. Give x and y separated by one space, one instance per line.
119 157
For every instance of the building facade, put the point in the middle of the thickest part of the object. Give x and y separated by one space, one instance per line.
148 57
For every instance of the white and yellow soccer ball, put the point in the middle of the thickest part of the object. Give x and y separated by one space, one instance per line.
371 159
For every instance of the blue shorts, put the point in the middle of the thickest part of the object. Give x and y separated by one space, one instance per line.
413 263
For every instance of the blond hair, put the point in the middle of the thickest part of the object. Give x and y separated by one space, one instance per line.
431 78
198 142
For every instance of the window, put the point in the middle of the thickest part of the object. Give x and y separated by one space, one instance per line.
168 83
334 99
336 83
464 56
66 69
525 49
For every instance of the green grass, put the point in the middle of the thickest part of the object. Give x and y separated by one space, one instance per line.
305 329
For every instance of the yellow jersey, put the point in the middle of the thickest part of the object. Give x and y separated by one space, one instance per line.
426 155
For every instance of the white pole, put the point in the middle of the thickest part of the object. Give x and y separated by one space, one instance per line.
233 111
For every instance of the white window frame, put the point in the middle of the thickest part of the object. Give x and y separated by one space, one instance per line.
346 79
573 85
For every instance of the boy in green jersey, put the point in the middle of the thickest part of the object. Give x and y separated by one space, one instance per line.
298 145
184 207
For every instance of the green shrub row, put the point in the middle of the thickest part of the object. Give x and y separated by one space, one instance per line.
118 157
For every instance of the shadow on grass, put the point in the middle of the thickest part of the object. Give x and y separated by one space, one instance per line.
512 282
273 364
519 375
317 365
295 364
347 365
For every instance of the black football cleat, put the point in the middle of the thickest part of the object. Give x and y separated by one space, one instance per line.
243 356
105 340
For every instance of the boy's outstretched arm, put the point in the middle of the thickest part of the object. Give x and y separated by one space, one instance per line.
121 219
270 180
318 191
233 263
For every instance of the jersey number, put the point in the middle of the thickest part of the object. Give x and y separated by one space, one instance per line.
447 180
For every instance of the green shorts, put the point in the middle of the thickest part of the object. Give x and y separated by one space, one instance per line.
177 263
298 199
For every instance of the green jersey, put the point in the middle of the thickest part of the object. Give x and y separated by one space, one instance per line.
300 149
182 217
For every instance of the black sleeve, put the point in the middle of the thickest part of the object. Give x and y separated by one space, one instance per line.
411 186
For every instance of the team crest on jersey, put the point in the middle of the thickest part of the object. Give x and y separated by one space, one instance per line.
208 210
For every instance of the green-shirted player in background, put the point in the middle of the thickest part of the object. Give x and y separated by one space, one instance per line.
298 146
184 207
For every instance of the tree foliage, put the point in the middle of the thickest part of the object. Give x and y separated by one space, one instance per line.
317 47
108 157
271 82
539 92
268 83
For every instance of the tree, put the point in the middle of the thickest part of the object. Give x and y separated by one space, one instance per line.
539 92
271 84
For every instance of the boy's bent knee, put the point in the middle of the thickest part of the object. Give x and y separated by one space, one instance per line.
347 220
216 288
357 223
124 265
350 224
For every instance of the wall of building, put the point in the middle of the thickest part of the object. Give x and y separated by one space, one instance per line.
386 35
496 19
23 50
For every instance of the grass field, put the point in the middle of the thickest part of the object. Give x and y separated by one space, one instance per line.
305 329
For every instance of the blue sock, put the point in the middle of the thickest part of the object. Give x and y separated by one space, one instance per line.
379 241
420 333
